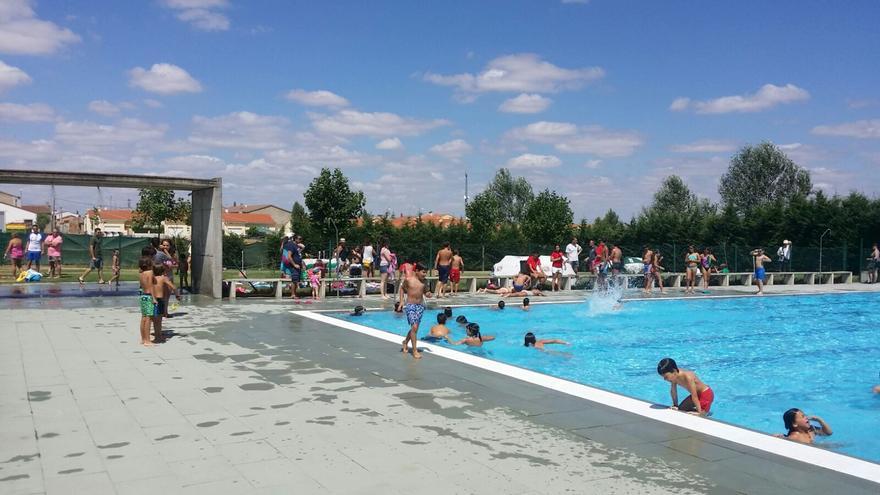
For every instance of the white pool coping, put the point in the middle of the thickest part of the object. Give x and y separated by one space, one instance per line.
798 452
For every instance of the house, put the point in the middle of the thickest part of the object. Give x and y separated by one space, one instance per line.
15 218
238 223
38 209
69 223
280 216
113 222
176 228
442 220
10 199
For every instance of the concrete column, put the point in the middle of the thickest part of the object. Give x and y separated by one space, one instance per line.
207 241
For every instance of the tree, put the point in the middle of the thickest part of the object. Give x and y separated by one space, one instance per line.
43 220
300 222
331 202
674 196
484 214
762 174
548 218
514 194
157 205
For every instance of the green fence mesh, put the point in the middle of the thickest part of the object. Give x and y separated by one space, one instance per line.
75 249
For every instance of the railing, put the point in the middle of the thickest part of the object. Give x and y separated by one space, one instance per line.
471 283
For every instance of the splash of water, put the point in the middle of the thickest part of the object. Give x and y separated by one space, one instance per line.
603 302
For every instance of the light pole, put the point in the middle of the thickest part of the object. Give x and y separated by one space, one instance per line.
820 249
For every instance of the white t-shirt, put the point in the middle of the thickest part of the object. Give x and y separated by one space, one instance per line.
572 251
368 254
35 243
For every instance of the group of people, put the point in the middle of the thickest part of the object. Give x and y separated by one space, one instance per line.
156 285
38 245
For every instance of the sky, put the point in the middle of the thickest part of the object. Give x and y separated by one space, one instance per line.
598 100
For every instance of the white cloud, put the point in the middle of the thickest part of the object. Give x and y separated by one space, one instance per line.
525 103
244 130
22 33
593 164
767 97
11 77
862 129
103 107
569 138
95 137
320 98
373 124
523 72
164 79
531 161
204 15
704 146
153 103
789 146
389 144
452 150
862 103
34 112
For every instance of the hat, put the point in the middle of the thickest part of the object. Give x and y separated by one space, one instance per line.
342 239
786 241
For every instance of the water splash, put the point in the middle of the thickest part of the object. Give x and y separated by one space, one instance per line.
606 301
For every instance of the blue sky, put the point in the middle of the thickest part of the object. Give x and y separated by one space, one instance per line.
599 100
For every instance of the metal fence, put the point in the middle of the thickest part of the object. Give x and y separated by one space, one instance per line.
75 249
482 257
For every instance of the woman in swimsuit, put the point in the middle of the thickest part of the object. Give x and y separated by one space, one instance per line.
657 269
691 260
704 267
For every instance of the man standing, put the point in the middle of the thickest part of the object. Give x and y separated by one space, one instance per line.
97 262
294 263
572 254
52 246
34 247
591 255
783 254
443 263
873 264
341 255
616 261
556 260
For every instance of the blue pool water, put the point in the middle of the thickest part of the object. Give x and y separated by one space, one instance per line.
761 356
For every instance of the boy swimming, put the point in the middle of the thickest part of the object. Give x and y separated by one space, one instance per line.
474 338
800 429
531 341
701 396
440 330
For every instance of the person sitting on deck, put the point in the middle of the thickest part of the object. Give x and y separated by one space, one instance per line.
800 427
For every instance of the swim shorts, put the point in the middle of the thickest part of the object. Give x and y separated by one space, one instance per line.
443 273
617 266
455 275
96 263
161 306
759 273
34 256
147 306
706 397
555 269
518 288
414 313
647 268
383 268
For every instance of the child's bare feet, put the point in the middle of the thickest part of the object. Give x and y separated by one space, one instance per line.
147 344
416 354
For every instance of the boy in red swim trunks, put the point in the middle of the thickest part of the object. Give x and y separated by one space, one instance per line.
455 272
689 381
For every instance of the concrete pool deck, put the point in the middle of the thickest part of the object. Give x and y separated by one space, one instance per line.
249 398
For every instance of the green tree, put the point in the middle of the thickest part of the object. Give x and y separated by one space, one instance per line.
514 193
43 220
331 203
157 205
762 174
484 214
548 218
233 245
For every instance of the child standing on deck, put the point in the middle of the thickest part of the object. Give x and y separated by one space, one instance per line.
162 286
701 396
314 280
147 301
115 266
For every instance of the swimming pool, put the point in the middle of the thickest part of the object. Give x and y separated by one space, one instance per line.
761 356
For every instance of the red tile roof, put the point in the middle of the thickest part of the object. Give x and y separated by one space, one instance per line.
106 215
248 218
38 209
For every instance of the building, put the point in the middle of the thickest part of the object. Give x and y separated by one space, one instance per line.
10 199
15 218
442 220
238 223
176 228
113 222
69 223
280 216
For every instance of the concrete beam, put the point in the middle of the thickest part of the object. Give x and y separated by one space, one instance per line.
207 241
104 180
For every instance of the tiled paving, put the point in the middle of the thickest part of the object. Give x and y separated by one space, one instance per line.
248 398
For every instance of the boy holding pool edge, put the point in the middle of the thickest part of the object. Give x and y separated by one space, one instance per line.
701 396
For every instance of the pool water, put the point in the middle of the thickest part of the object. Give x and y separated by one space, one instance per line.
761 356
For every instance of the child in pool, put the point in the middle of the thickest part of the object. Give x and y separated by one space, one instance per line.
440 330
800 429
701 396
531 341
474 338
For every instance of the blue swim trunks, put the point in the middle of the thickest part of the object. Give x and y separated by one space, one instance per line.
443 273
759 273
414 313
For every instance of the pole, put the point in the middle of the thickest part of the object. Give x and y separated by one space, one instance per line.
52 220
820 249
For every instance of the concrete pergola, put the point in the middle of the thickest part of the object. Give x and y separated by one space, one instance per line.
207 206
